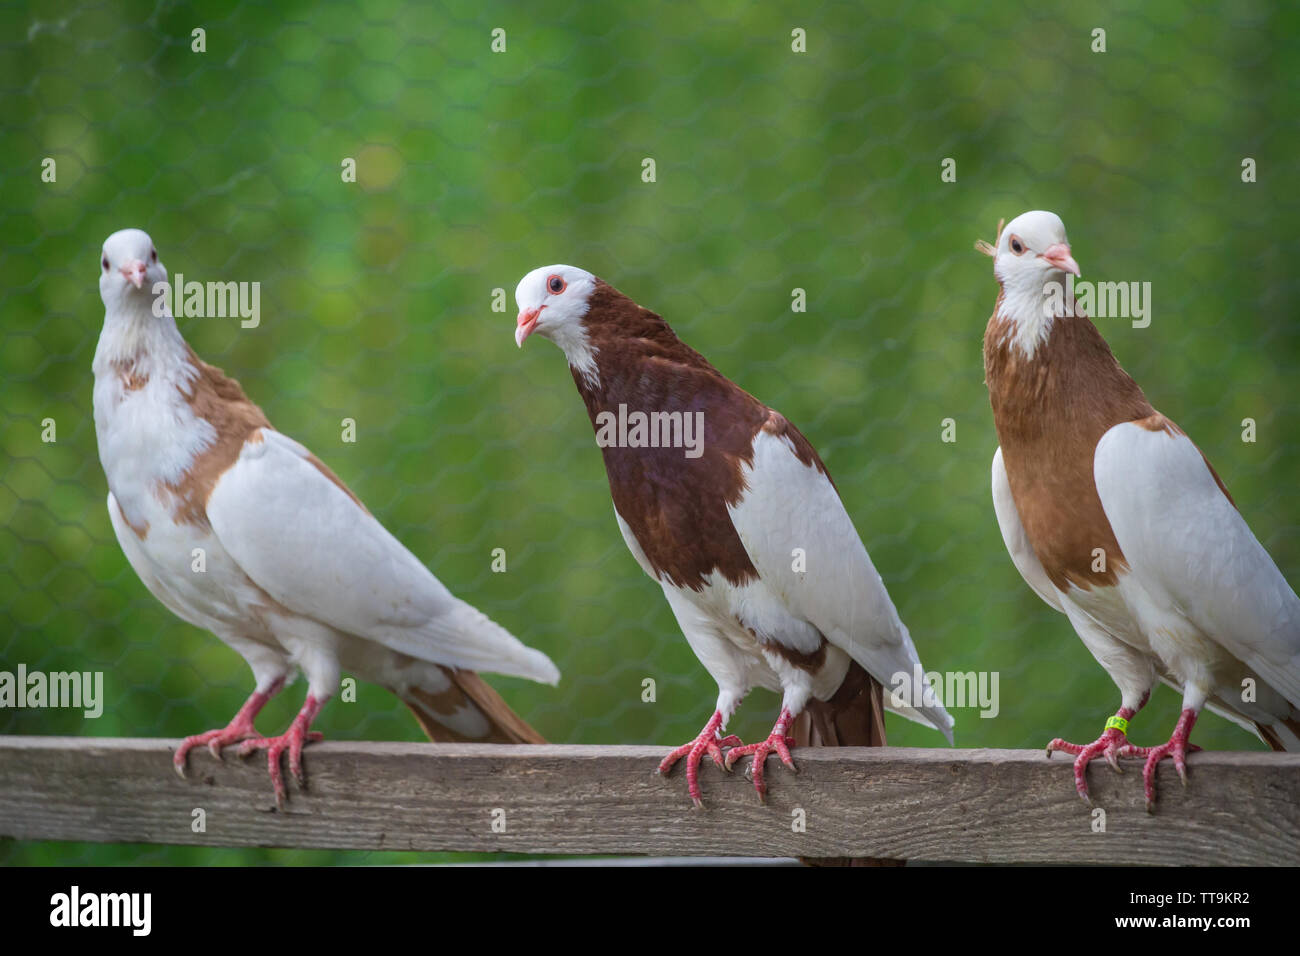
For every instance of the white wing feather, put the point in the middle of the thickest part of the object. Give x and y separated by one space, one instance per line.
304 541
1191 547
789 505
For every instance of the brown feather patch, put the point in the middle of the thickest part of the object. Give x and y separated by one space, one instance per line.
1270 736
853 717
676 506
141 531
1050 410
468 689
218 400
132 381
795 658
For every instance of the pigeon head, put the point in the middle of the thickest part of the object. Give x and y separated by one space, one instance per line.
599 329
552 301
128 268
1030 260
1032 250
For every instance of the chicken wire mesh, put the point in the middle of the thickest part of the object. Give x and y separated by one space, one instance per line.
774 170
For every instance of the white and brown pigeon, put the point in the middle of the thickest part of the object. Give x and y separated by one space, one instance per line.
723 502
1115 518
240 530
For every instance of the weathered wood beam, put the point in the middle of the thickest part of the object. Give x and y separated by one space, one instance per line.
994 806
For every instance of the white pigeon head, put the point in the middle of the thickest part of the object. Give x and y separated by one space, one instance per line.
1030 262
128 269
1032 250
552 301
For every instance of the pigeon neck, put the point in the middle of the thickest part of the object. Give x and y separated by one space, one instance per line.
134 337
1071 384
611 352
1029 308
619 363
580 354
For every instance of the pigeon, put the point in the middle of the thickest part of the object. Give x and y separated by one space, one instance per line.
1115 518
240 530
728 507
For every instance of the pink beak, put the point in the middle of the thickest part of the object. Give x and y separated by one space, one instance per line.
527 324
1059 256
134 272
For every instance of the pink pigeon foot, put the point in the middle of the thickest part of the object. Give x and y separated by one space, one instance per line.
1177 747
239 728
292 740
778 742
1112 743
707 742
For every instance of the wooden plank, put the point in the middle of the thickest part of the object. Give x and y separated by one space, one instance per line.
988 806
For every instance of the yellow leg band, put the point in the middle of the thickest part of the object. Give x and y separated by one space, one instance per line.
1117 723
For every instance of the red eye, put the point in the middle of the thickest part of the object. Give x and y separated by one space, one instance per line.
556 285
105 263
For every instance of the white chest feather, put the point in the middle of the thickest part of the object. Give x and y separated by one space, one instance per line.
149 437
147 432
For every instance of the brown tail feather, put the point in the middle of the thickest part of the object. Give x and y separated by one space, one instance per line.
467 687
853 717
1271 737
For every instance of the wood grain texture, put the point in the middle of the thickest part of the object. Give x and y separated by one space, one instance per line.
994 806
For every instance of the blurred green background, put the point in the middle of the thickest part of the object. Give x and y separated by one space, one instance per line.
775 170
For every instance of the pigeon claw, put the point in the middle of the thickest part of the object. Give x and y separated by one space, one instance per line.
292 740
239 728
214 740
1176 748
708 742
1110 745
778 742
1113 744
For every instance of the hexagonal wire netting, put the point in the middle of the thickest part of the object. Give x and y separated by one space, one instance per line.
775 170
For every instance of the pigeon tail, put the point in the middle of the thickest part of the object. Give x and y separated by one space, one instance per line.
467 638
853 717
466 710
1284 735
